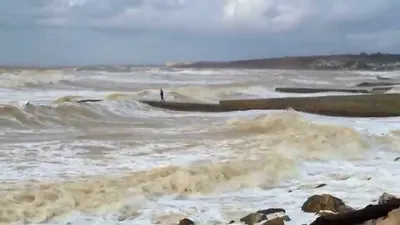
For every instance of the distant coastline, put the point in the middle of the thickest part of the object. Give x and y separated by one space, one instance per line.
363 61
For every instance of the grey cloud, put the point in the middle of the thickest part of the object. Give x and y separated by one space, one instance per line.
155 31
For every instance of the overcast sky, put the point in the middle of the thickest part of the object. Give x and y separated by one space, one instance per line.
67 32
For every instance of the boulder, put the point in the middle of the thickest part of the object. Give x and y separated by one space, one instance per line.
316 203
325 213
393 218
371 215
271 211
320 186
275 221
266 217
89 100
253 218
186 221
385 197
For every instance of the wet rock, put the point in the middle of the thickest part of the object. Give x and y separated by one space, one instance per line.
385 197
369 222
345 209
393 218
232 221
370 215
253 218
320 186
271 211
264 216
186 221
397 159
275 221
286 218
341 209
317 203
325 213
89 100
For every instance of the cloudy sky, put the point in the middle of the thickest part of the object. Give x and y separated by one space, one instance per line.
76 32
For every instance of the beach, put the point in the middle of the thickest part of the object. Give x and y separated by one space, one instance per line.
120 161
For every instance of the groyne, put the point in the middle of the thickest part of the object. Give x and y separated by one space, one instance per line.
308 90
318 90
368 105
182 106
377 84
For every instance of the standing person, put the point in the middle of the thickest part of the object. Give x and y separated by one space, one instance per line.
162 95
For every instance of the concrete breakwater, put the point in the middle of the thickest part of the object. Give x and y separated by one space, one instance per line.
377 105
184 106
363 87
319 90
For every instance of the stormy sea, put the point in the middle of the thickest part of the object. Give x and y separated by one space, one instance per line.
120 161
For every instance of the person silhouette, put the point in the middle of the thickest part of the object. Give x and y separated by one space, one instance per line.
162 95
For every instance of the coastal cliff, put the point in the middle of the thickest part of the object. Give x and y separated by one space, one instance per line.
362 61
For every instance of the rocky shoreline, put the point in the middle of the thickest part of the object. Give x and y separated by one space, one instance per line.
330 211
363 61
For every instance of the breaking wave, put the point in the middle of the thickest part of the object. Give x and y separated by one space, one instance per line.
34 78
242 152
292 134
66 111
265 150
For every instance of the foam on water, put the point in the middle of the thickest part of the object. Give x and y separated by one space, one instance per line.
119 161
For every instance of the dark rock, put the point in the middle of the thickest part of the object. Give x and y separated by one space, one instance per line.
340 209
385 197
397 159
186 221
271 210
232 221
269 216
320 186
370 212
286 218
316 203
345 208
89 100
274 221
253 218
325 213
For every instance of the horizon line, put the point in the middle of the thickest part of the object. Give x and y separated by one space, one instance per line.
94 65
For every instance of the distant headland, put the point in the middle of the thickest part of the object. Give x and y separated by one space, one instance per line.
362 61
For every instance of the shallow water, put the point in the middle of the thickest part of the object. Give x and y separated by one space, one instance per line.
120 161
